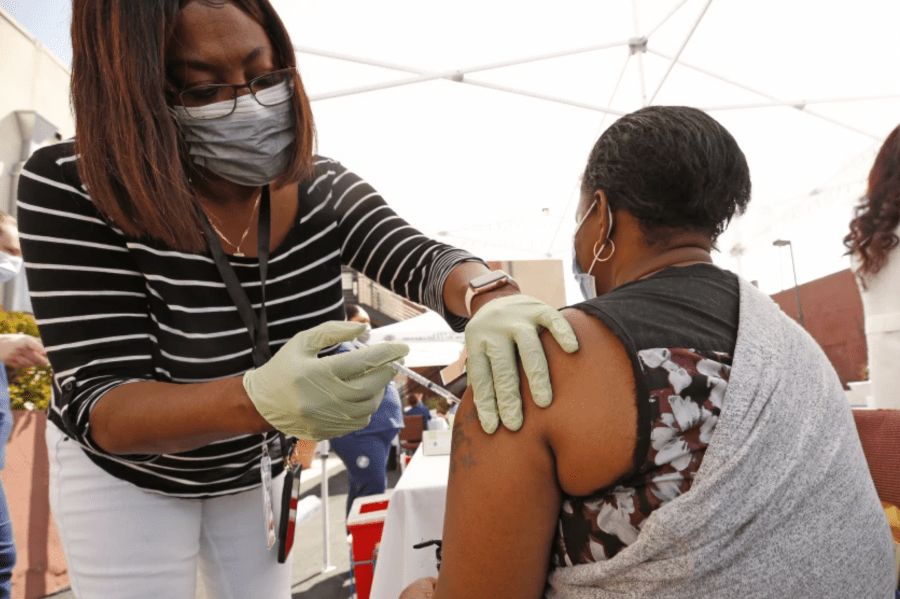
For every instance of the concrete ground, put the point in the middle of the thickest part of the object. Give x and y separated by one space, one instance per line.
311 580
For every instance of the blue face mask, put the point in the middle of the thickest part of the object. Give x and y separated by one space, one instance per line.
586 281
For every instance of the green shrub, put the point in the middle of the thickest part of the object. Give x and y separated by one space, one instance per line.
29 388
432 403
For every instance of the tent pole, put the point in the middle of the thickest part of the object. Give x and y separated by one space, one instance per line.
464 71
680 50
530 94
639 51
801 104
665 19
640 61
765 95
457 76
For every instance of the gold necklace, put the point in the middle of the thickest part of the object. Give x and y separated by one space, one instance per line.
237 248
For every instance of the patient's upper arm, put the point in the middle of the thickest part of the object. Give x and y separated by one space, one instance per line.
504 492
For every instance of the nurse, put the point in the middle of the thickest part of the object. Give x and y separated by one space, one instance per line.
184 258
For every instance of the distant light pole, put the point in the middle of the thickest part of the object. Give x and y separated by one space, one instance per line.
787 242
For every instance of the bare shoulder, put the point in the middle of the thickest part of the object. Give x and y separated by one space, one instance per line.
591 425
589 431
505 489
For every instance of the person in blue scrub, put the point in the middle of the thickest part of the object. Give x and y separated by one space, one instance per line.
18 351
365 452
417 406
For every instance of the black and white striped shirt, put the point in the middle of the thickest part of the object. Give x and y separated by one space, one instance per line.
114 309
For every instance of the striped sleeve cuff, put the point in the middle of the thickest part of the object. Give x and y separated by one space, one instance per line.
75 412
433 295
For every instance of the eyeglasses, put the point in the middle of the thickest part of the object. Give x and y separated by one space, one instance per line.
218 101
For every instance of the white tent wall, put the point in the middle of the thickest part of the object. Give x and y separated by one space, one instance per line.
805 87
34 81
34 109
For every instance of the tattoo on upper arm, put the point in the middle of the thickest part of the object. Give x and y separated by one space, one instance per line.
461 454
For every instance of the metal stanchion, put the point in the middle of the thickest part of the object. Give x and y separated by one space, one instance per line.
323 450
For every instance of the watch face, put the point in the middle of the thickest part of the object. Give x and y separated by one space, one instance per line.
487 279
485 283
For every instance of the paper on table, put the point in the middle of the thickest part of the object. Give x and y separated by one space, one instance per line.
436 442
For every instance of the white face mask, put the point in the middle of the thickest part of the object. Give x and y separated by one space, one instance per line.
251 146
10 267
586 281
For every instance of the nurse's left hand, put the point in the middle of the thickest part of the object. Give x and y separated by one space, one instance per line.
499 328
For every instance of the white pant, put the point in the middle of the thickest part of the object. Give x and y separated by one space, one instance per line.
122 542
884 356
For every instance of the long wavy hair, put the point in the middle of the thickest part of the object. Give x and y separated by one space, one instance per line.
873 229
133 158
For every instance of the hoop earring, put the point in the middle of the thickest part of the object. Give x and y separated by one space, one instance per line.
597 252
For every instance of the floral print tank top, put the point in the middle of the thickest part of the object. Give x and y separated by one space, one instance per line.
680 395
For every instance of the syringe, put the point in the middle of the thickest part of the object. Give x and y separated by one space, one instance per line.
416 377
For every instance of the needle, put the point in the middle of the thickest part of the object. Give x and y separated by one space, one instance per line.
415 376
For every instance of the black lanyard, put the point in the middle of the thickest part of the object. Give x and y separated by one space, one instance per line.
257 325
258 329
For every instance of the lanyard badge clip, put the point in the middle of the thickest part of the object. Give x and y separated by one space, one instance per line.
290 493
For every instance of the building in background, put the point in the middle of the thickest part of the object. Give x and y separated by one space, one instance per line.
34 111
543 279
383 305
833 315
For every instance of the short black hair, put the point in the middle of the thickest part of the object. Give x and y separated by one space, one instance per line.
352 310
673 168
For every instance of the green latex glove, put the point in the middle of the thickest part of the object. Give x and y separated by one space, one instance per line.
315 398
492 336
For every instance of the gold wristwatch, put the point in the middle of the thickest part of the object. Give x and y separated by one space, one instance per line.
487 282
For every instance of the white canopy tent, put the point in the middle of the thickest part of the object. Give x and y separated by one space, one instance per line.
474 118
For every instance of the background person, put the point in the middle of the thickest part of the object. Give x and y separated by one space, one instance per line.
872 242
699 445
444 408
194 142
365 452
16 351
415 405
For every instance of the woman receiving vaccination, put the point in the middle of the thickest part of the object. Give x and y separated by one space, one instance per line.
699 445
184 257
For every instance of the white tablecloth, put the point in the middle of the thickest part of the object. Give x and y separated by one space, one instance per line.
415 514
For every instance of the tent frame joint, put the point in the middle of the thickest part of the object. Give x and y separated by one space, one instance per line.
637 45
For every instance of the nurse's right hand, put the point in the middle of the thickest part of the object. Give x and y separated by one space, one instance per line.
314 398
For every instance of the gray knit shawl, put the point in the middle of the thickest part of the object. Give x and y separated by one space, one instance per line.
783 505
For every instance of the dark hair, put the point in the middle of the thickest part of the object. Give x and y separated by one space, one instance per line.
673 168
872 232
133 159
352 310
